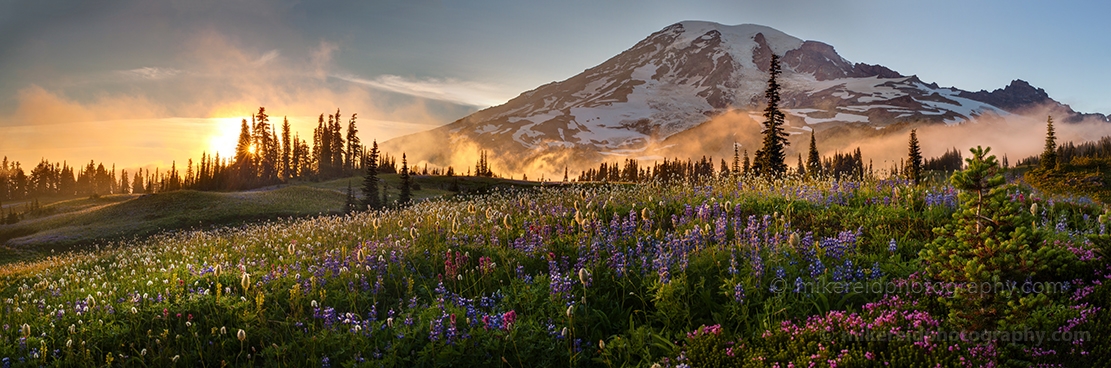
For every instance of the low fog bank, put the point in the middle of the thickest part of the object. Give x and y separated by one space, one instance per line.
1013 136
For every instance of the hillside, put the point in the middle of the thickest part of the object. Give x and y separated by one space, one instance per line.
66 224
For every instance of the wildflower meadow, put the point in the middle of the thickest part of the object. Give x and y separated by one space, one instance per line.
727 272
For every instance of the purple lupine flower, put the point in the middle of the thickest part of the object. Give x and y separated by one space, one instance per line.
739 293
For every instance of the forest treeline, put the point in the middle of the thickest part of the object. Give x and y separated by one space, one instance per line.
1068 151
263 156
849 165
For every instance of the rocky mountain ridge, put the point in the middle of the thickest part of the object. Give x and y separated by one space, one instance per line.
679 78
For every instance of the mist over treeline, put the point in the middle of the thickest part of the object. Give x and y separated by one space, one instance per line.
269 153
263 157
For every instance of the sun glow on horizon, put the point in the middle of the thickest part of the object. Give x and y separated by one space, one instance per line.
226 137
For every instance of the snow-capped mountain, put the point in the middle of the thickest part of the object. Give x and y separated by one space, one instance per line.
677 79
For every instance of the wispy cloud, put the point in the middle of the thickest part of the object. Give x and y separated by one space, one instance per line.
150 73
447 89
267 57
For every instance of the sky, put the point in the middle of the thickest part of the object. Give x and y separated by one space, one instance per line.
147 82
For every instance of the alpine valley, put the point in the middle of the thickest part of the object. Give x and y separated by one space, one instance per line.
697 88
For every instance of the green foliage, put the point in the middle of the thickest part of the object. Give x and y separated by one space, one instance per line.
990 243
1082 176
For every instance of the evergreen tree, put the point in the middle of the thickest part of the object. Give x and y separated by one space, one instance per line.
746 165
322 148
770 158
990 242
137 182
813 159
243 156
736 159
914 159
353 146
337 145
125 186
800 167
265 159
349 200
406 195
370 180
1049 155
287 159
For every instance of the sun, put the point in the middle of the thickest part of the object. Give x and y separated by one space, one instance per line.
224 137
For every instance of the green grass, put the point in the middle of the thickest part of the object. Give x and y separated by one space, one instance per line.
83 221
64 224
1083 176
428 186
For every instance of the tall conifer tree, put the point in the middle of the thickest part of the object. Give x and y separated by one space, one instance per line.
370 180
243 156
914 159
406 183
770 158
286 151
1049 155
813 159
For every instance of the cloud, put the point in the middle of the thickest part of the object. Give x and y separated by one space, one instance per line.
446 89
214 79
267 57
150 73
39 107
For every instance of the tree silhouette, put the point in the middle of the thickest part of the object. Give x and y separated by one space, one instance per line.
813 159
286 151
746 165
349 204
243 156
770 158
1049 155
914 159
736 159
406 184
370 181
353 147
800 166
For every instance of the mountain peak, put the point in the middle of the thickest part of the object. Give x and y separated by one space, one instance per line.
738 40
665 90
1014 97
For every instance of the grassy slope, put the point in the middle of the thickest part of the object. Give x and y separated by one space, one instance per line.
126 216
65 224
1089 177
